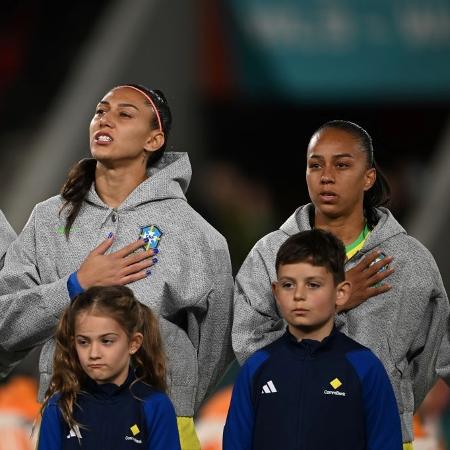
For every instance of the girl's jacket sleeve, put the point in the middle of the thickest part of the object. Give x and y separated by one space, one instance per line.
161 423
7 235
30 307
50 431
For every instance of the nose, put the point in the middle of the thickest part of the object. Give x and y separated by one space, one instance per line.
327 175
94 351
299 293
105 120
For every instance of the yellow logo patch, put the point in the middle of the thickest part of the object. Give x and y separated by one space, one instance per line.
336 383
135 430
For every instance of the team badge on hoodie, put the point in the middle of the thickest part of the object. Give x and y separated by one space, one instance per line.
153 234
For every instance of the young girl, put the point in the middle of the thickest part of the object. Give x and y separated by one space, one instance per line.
130 195
109 380
404 326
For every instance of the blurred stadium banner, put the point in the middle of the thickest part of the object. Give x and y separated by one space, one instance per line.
342 49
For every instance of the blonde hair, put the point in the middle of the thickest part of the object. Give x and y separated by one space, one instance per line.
119 303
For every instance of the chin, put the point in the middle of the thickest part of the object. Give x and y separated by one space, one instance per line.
331 211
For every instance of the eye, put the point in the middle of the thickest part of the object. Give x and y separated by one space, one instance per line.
313 165
82 342
125 114
287 285
107 341
99 111
342 165
313 285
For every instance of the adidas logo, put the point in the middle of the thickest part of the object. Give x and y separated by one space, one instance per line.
74 432
269 388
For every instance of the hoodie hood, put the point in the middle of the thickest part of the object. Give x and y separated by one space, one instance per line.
169 178
386 228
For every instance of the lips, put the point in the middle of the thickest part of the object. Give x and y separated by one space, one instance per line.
300 311
328 196
96 366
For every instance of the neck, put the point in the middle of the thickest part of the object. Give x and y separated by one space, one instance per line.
346 228
114 185
316 332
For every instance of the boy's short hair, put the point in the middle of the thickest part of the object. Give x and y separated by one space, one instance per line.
317 247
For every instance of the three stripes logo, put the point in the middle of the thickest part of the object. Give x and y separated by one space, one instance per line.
269 388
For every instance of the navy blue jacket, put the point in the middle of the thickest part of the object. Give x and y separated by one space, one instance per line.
313 395
114 420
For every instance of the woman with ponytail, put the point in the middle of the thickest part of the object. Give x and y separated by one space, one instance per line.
109 377
122 218
403 322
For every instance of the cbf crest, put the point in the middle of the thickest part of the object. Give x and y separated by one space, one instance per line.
153 234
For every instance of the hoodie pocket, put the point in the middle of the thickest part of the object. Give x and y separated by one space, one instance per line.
182 377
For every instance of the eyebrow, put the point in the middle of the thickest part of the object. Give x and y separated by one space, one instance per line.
339 155
121 105
101 336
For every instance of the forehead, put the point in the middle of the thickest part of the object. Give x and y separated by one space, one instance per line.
125 95
300 270
94 324
330 141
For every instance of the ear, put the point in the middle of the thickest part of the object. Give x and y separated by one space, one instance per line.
155 141
343 292
274 290
135 343
369 178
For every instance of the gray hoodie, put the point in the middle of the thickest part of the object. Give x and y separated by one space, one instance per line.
190 288
404 326
7 235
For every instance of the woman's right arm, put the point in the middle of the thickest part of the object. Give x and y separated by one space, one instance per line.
29 310
30 306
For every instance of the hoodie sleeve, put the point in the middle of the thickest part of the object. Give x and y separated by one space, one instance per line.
427 354
29 309
443 363
443 356
256 321
419 314
212 327
7 235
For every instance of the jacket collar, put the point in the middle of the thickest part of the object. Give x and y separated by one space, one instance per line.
310 347
108 390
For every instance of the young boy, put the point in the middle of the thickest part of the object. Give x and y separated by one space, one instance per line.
313 388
